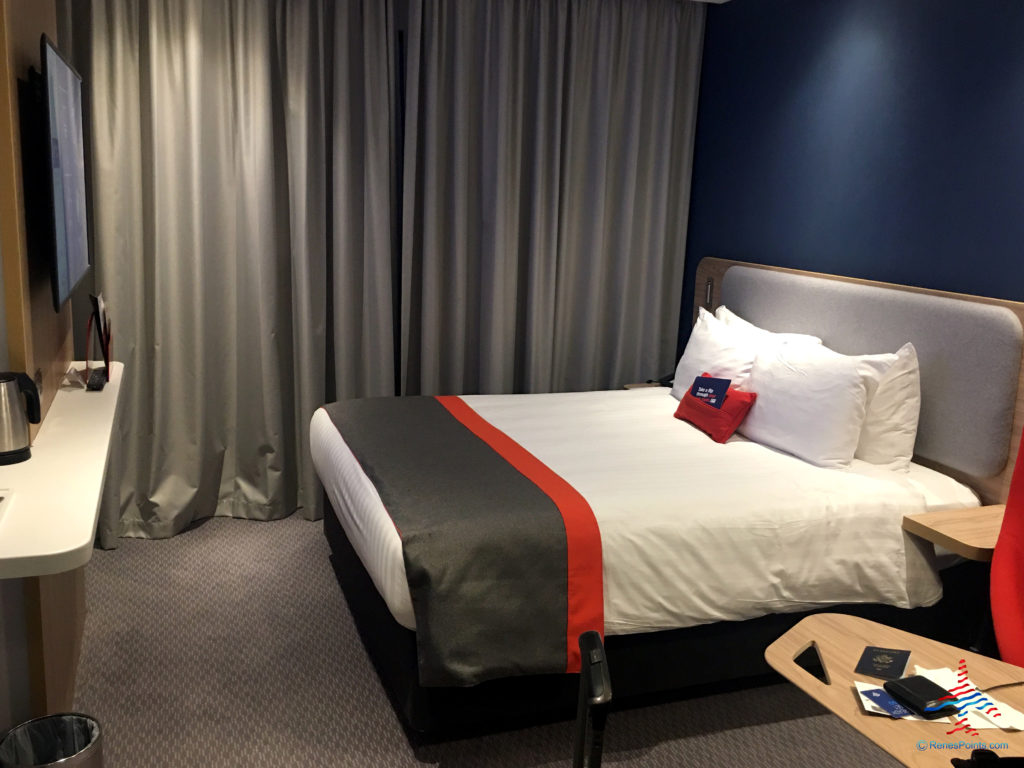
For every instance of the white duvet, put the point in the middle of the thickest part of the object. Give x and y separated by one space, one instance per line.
691 531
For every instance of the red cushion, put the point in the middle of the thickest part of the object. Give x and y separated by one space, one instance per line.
1007 574
719 423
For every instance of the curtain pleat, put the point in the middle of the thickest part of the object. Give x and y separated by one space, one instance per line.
547 169
364 219
299 113
482 157
630 116
216 243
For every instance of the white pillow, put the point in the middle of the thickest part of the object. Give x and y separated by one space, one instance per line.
808 404
737 323
717 349
890 425
893 385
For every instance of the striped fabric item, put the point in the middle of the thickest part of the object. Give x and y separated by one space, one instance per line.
503 556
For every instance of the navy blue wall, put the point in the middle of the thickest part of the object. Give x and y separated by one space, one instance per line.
881 139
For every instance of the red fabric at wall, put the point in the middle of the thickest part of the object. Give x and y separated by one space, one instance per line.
1007 587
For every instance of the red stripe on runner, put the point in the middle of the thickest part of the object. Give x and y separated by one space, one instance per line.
582 536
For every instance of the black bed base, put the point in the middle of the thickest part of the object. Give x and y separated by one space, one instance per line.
678 661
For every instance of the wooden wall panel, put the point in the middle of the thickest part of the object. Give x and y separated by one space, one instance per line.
39 339
55 623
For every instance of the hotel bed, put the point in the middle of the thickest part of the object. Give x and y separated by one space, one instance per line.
757 520
734 541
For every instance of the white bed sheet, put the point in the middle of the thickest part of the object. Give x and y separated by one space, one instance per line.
692 531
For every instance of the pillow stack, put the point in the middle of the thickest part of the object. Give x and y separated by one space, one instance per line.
815 403
725 346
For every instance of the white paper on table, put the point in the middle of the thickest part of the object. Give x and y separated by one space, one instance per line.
870 706
1009 718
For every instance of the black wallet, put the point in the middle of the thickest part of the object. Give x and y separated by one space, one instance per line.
922 696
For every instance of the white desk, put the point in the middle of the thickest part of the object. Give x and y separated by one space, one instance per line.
46 538
50 522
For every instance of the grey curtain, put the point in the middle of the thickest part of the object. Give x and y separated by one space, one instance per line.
548 151
243 173
261 252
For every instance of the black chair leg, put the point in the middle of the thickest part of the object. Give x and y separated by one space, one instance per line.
597 718
595 694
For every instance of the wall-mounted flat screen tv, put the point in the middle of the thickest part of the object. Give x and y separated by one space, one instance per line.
65 145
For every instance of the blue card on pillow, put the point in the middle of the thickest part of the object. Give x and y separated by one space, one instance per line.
710 390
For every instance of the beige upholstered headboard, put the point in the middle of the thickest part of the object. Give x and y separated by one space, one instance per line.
969 347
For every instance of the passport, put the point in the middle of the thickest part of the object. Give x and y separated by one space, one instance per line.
884 663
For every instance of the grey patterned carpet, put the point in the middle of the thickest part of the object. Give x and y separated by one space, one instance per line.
231 645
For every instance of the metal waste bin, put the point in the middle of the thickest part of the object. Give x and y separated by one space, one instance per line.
67 740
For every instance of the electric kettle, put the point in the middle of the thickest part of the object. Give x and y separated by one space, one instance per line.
14 421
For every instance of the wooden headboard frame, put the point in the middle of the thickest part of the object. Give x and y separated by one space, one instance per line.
992 490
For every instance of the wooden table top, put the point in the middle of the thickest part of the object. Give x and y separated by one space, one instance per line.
841 640
970 532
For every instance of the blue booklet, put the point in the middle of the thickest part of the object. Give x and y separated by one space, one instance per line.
710 390
886 663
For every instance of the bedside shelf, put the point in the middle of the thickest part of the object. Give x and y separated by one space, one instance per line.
971 532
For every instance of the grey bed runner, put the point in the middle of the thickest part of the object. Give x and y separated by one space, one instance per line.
485 547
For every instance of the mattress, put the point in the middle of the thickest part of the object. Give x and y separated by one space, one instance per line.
692 531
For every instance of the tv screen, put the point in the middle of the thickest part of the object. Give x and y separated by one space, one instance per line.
63 124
